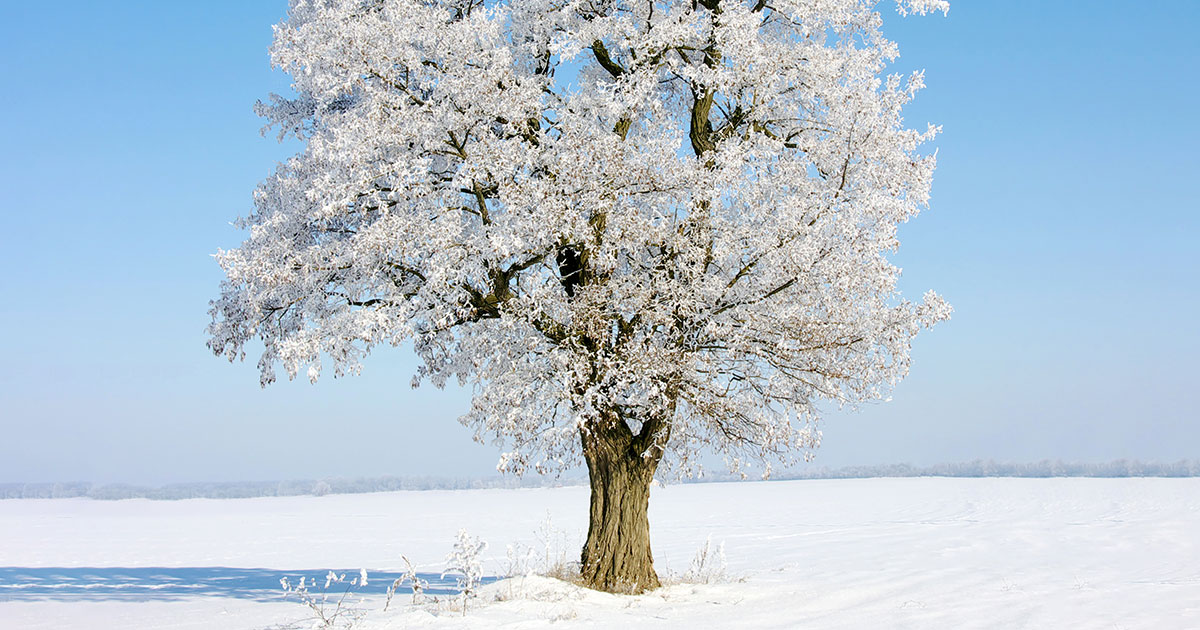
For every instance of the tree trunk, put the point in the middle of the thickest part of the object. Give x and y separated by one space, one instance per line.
616 557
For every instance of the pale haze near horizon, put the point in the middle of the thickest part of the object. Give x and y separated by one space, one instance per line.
1062 228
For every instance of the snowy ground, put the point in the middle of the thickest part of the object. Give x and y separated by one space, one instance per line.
871 553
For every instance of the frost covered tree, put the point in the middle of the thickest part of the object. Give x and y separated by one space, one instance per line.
639 229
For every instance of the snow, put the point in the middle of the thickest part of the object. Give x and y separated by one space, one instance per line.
878 553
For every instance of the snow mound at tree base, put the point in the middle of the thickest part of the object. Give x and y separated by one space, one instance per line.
537 601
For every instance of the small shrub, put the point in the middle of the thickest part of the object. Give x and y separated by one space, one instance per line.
325 615
556 563
520 562
410 575
708 566
465 560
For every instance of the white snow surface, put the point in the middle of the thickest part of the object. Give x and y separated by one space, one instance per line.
859 553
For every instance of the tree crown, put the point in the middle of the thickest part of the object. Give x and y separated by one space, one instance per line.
672 215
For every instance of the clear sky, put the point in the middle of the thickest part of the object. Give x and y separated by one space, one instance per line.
1063 228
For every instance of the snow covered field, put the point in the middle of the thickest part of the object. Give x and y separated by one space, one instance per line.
870 553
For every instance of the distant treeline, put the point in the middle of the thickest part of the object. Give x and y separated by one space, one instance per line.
990 468
250 489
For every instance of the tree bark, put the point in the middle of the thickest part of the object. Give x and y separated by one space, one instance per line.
616 557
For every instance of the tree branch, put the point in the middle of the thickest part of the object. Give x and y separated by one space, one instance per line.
605 61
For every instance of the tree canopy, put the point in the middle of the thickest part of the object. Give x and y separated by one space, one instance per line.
667 217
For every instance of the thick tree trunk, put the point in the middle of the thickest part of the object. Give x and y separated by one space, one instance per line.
616 557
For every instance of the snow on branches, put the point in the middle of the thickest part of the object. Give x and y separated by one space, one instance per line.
672 213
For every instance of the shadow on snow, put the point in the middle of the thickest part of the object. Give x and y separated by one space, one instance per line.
170 583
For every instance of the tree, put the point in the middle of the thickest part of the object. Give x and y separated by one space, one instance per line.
638 229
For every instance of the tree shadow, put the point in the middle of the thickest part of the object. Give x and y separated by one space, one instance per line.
173 583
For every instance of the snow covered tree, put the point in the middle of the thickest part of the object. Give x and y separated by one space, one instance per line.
639 229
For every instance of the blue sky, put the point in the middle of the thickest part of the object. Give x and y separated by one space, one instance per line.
1063 229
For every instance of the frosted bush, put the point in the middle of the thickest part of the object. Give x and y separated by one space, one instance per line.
708 566
556 562
324 614
520 560
465 560
418 585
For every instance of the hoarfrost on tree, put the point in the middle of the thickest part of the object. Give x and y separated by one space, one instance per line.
635 228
